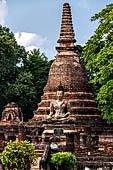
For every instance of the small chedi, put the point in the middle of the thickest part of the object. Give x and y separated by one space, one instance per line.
67 118
12 113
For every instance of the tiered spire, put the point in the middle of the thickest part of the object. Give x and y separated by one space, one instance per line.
67 31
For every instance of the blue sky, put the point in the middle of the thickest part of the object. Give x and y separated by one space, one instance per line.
36 23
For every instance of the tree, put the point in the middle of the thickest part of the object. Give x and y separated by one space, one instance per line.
98 58
18 155
22 75
12 57
39 66
28 87
63 160
23 92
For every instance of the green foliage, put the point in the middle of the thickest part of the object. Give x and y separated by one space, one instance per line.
39 66
24 93
11 58
98 58
11 54
105 100
18 155
22 75
63 160
28 87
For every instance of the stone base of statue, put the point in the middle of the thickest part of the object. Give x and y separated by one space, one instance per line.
58 133
61 120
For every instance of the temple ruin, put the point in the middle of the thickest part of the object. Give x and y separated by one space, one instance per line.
82 131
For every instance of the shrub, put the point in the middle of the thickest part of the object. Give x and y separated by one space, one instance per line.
63 160
18 155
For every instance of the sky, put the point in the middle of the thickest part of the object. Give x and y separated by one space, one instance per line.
36 23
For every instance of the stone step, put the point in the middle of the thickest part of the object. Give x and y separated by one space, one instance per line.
39 150
74 95
73 102
74 110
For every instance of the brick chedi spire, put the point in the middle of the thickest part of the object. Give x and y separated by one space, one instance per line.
68 69
67 32
67 35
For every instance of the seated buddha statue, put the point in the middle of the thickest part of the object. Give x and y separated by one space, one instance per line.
59 109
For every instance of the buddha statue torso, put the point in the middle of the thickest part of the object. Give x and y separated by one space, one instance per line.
59 109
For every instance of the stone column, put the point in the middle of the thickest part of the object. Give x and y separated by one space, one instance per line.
16 138
82 140
76 142
21 133
70 142
6 139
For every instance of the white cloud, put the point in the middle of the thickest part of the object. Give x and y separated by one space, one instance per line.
27 39
83 4
34 41
3 11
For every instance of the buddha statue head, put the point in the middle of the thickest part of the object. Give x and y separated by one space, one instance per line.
60 92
